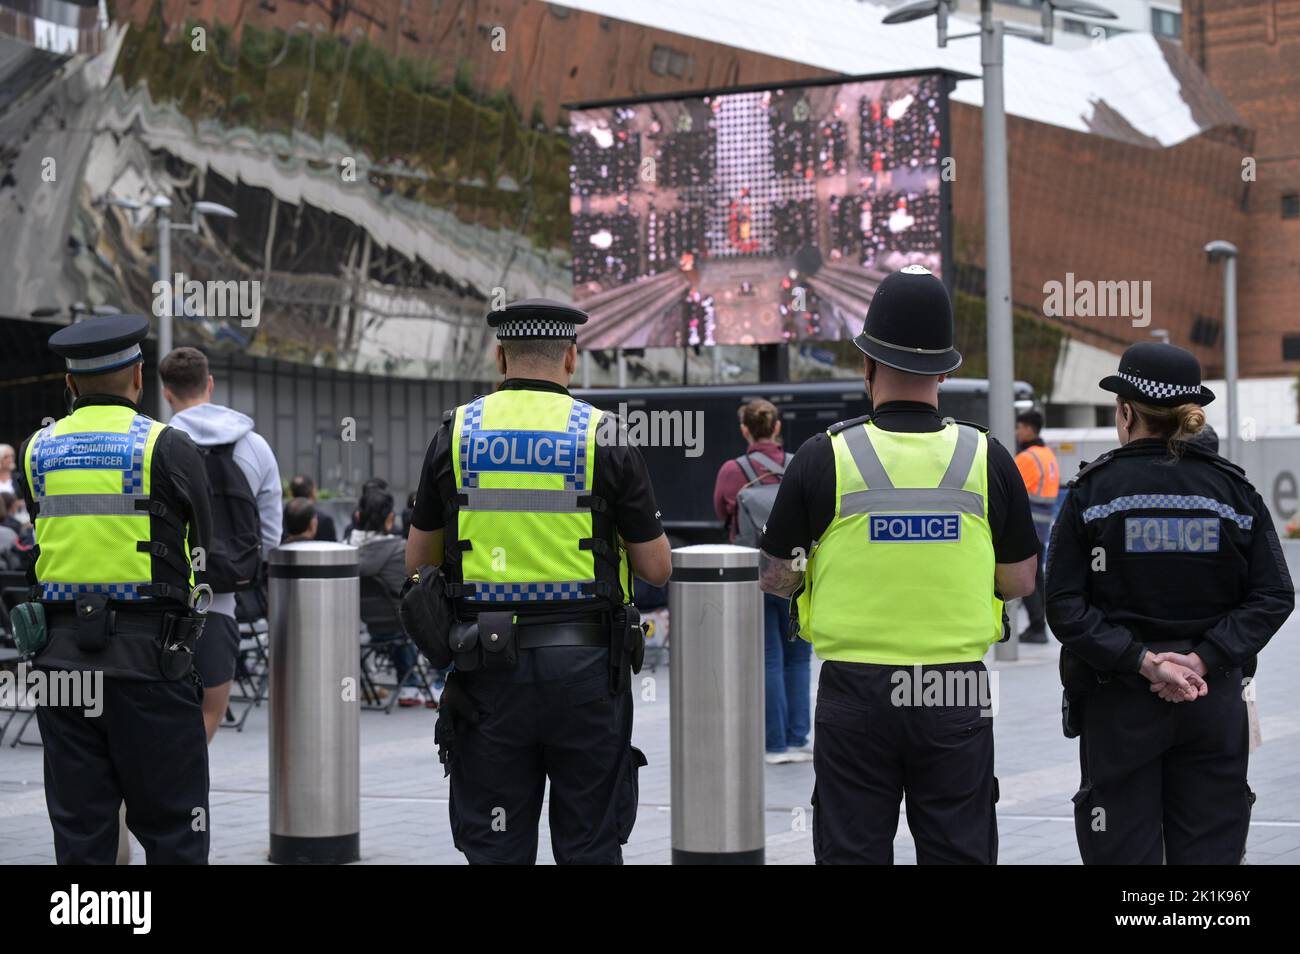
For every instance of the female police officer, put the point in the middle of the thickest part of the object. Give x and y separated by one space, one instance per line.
1165 580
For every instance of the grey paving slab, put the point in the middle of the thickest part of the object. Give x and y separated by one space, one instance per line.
404 794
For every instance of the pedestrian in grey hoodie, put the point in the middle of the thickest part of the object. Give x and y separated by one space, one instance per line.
382 555
187 386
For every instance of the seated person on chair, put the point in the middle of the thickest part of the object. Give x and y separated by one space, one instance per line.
300 521
383 556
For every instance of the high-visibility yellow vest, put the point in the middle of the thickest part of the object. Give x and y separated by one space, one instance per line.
904 574
90 475
524 463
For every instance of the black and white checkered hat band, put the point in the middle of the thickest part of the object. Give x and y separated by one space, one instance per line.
534 328
1159 389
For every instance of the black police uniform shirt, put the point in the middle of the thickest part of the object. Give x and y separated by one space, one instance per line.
805 503
178 479
621 480
1211 579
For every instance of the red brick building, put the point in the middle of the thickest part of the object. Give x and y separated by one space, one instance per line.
1108 204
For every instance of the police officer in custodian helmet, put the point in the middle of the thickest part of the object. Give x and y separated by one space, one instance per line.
538 516
1165 580
119 501
901 532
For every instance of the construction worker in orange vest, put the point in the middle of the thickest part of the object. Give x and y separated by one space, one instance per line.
1042 477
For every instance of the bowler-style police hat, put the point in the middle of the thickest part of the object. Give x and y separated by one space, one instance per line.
1163 375
98 345
537 318
909 324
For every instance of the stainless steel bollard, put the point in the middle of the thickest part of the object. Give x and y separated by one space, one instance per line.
315 778
716 671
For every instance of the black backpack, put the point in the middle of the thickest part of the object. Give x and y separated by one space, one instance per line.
234 558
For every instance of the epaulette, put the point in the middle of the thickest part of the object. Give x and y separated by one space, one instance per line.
979 427
842 425
449 416
1087 467
1225 465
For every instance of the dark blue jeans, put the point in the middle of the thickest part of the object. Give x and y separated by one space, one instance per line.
404 657
789 678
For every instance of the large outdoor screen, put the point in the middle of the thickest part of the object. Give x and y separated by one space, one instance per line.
753 217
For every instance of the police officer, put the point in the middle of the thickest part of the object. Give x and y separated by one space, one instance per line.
900 533
118 500
539 514
1165 579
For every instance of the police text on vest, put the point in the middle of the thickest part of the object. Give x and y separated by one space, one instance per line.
915 527
540 452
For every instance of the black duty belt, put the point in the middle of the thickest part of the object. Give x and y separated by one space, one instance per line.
543 635
125 622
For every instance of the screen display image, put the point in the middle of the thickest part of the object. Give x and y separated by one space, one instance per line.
753 217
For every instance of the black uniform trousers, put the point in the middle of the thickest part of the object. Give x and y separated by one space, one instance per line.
147 747
1163 781
553 716
871 753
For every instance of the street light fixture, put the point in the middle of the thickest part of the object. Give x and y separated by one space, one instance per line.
1226 252
77 309
165 228
997 224
997 213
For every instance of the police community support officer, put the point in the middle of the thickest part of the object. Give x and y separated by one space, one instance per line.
1165 579
530 512
118 500
912 525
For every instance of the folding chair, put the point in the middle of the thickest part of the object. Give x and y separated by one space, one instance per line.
253 661
11 596
252 673
380 614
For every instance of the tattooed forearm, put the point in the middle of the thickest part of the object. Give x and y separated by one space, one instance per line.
778 577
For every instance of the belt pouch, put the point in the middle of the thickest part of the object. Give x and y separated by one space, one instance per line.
179 635
464 645
94 623
496 634
30 633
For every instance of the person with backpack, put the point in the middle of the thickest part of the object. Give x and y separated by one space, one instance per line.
246 515
742 497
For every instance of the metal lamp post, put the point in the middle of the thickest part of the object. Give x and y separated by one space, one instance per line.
997 209
997 215
1227 252
165 228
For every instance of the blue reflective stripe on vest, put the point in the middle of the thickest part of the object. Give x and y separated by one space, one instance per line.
529 592
116 591
473 422
1167 502
579 416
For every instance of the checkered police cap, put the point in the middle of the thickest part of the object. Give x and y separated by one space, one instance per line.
1159 390
537 318
1160 374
